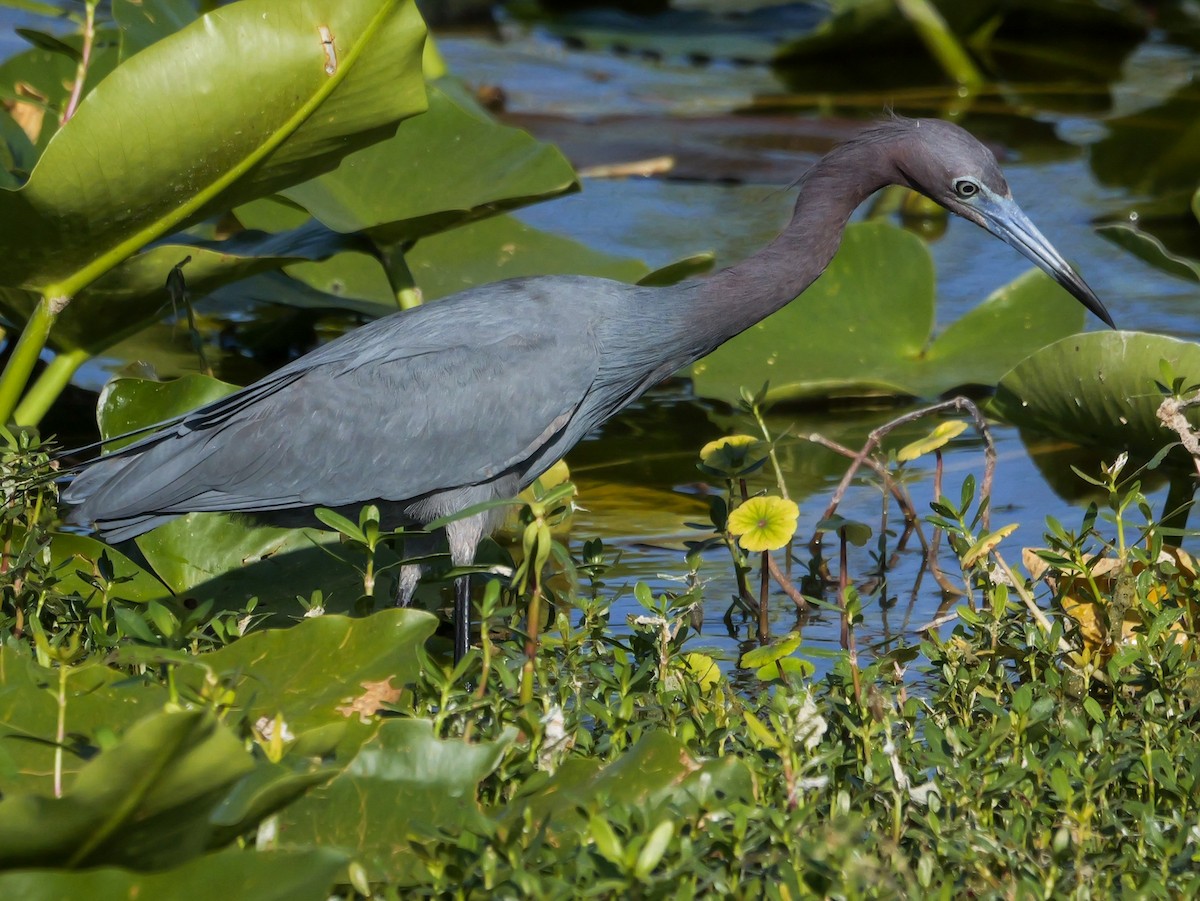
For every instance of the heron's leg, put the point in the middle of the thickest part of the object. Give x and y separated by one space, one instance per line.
463 536
462 617
410 575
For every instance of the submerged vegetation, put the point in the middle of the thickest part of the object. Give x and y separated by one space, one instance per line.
222 707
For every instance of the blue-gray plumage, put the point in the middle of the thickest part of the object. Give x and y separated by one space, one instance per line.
432 410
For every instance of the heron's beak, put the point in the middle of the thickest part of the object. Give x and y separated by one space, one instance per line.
1004 219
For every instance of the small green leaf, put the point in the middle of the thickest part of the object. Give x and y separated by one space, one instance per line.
776 650
606 840
652 852
761 732
340 523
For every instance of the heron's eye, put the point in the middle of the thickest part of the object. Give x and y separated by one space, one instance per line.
965 188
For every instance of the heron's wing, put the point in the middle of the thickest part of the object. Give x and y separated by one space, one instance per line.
400 417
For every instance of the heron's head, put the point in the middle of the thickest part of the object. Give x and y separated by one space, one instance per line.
948 165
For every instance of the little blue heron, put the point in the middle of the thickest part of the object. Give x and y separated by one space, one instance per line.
432 410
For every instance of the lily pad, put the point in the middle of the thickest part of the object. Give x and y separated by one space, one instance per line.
452 164
74 554
504 247
1098 390
324 669
812 349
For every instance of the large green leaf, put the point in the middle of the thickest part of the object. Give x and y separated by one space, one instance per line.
235 875
78 556
139 160
1147 247
403 786
451 165
813 348
504 247
143 802
97 699
1098 390
127 405
323 669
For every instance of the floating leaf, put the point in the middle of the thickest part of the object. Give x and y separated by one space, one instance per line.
776 650
504 247
857 533
791 666
73 554
317 671
1151 250
1099 390
432 174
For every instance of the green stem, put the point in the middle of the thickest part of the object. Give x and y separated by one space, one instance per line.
60 734
937 37
25 355
49 385
400 277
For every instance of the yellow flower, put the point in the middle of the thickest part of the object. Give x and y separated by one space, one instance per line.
764 523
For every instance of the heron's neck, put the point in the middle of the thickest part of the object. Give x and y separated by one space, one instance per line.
737 298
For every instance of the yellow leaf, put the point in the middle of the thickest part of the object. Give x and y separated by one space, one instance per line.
938 438
731 442
702 669
986 545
